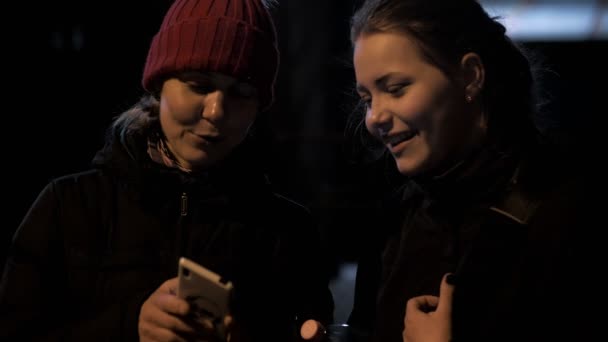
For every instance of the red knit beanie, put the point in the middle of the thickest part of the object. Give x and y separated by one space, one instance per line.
233 37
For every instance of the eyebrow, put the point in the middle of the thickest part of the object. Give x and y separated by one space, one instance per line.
381 81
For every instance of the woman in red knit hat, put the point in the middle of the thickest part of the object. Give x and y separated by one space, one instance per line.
177 177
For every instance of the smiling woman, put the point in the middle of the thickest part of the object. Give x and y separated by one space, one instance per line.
413 107
481 192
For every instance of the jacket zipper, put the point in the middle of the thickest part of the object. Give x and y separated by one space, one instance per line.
181 222
184 204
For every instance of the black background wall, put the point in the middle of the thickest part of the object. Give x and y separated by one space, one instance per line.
71 66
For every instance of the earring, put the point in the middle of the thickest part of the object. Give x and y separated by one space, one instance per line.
468 98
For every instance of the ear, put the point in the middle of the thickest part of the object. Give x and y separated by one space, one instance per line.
473 73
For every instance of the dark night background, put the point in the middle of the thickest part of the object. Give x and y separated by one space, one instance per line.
71 66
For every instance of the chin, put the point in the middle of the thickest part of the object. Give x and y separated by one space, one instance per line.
406 169
199 161
410 167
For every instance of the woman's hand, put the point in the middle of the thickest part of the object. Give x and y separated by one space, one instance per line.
166 317
428 318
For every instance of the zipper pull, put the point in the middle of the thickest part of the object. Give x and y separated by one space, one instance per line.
184 204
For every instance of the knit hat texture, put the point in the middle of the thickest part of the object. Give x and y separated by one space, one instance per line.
233 37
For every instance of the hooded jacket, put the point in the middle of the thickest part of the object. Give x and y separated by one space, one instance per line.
96 244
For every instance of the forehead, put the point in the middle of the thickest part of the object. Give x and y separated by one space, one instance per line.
386 52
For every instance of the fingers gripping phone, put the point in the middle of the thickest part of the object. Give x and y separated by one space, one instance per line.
209 294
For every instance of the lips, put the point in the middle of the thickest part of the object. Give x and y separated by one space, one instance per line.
395 139
212 138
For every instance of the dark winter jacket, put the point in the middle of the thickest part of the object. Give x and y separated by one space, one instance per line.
510 225
96 244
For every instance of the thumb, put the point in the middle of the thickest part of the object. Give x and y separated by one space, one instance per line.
446 292
170 286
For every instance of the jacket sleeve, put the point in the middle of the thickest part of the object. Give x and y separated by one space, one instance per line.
30 283
35 303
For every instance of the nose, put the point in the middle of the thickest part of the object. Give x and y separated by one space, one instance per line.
378 120
214 106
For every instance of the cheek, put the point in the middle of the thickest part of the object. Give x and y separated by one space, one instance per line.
182 111
433 110
449 127
168 126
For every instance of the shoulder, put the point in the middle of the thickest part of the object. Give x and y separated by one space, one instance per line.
77 177
541 184
566 203
552 178
81 189
60 201
84 180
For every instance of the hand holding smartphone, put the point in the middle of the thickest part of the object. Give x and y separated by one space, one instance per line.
209 294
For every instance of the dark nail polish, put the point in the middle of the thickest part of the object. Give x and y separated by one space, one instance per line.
451 279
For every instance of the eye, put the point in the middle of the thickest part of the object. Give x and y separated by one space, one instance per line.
365 101
396 89
201 87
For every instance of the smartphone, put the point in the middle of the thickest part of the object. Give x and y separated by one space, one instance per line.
209 294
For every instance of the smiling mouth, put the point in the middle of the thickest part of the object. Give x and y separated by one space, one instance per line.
396 139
